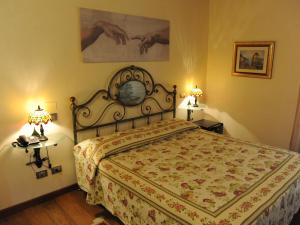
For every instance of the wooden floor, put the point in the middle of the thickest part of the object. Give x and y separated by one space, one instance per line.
69 209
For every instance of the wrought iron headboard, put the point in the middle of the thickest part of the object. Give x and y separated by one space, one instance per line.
130 87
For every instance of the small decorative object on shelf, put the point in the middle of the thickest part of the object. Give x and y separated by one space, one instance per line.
39 117
216 127
196 92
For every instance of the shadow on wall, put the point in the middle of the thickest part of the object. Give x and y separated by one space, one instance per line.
232 127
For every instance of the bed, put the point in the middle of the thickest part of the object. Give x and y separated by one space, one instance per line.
172 172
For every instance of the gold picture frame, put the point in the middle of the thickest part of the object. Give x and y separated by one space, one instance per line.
253 59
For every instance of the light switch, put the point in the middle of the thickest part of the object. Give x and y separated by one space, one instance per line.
54 116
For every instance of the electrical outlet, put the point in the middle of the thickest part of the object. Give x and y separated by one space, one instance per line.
56 169
41 174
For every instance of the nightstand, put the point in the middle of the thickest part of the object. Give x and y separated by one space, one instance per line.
38 161
216 127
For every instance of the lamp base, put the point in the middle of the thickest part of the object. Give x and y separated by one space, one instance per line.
43 138
195 104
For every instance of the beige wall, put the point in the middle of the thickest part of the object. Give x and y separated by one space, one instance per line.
41 63
254 109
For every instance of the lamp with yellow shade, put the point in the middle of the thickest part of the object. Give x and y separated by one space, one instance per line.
39 117
196 92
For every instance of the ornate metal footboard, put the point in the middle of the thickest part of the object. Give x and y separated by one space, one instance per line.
131 89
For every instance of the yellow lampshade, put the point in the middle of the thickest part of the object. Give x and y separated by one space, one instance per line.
196 92
39 116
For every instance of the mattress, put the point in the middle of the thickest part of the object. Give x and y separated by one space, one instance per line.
174 173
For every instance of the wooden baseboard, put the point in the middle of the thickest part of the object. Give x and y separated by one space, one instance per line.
38 200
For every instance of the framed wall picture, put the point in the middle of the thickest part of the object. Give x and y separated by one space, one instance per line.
253 59
114 37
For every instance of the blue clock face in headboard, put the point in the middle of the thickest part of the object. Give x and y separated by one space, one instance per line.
132 93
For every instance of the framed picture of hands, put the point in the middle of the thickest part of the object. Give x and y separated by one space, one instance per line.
114 37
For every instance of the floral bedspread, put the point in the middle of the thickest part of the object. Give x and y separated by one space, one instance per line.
193 177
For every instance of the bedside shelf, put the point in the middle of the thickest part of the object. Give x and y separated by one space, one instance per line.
44 144
208 125
52 142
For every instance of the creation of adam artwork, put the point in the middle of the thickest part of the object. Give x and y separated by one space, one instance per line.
113 37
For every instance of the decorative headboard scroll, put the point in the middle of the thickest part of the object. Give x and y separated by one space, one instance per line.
131 87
